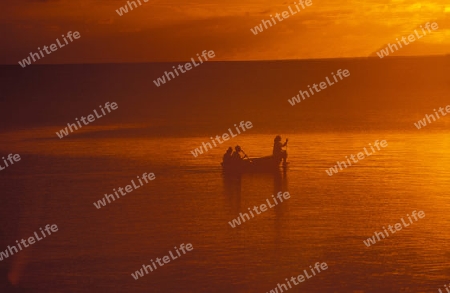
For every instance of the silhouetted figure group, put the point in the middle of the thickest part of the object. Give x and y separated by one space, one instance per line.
231 157
238 155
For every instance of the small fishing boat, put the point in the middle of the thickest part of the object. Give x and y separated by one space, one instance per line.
248 165
233 162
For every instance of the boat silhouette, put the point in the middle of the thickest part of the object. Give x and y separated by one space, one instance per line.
257 164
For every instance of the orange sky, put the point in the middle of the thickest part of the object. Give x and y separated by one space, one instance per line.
172 30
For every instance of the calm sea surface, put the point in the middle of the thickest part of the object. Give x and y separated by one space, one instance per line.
190 201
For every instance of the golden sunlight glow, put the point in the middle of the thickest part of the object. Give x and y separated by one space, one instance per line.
155 30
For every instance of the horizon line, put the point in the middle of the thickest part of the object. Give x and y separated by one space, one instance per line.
255 60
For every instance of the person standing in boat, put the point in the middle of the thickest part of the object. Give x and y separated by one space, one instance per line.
278 151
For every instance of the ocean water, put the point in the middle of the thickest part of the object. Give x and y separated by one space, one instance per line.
326 218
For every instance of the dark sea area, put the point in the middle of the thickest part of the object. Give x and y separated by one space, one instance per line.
155 129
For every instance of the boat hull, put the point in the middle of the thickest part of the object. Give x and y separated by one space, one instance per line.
253 165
